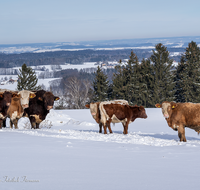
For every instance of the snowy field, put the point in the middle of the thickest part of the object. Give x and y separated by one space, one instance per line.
73 155
45 82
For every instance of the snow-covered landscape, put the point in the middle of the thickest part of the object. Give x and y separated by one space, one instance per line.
69 153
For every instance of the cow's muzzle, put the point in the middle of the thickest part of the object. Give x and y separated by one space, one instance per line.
166 116
49 107
25 105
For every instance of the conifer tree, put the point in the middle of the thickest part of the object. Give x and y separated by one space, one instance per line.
164 76
147 79
132 76
100 86
188 75
119 82
27 79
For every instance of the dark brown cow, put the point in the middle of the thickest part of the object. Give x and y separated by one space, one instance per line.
39 107
94 109
18 103
5 100
181 115
116 113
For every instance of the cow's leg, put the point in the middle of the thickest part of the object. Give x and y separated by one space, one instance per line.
37 125
123 127
15 121
100 127
181 133
4 123
108 125
1 123
11 124
126 127
33 123
105 128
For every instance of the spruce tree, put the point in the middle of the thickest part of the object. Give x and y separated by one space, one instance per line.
164 76
119 82
100 86
131 74
27 79
147 79
188 75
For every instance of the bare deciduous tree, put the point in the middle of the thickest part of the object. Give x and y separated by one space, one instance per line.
77 92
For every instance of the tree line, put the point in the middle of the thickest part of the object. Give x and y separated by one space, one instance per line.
152 80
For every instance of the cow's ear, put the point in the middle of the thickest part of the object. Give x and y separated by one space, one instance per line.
15 95
56 98
158 105
32 95
87 105
173 105
41 99
141 107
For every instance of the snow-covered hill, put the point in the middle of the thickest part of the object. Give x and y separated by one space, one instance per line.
69 153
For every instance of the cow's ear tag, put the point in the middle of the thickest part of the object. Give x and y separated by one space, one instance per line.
158 106
32 96
40 99
57 98
173 106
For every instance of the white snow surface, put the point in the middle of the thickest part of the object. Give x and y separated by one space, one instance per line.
68 152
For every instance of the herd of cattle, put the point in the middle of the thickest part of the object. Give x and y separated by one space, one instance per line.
32 104
177 115
36 105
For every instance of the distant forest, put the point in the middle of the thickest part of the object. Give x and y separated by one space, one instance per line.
74 57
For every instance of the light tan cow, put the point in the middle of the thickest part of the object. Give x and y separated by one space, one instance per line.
181 115
17 106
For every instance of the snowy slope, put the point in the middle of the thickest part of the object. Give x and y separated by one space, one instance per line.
73 155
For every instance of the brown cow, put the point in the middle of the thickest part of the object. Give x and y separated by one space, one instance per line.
95 111
117 113
17 106
181 115
5 100
39 107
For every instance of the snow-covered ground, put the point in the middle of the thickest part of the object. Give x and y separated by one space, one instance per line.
73 155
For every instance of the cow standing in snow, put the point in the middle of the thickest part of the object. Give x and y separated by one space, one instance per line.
96 114
18 103
5 100
116 113
39 107
181 115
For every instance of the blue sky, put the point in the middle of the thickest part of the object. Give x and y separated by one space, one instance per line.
41 21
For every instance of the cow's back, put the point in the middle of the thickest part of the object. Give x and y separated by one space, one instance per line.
116 112
187 114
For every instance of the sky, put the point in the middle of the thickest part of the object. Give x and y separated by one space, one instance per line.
43 21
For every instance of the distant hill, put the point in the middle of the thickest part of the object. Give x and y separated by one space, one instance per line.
144 43
14 55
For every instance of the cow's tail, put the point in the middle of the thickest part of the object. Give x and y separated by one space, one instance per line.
103 113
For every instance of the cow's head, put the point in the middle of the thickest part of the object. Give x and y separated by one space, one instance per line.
167 108
7 97
24 97
94 107
48 99
142 112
